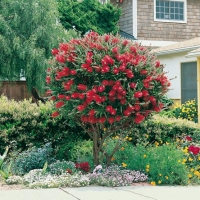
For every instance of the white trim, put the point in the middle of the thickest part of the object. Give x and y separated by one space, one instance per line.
172 21
191 54
134 7
155 43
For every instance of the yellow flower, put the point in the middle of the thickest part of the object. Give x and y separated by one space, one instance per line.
184 160
146 135
130 138
147 170
179 160
167 143
122 148
198 157
112 158
117 137
160 174
185 150
144 155
196 173
189 175
166 177
124 164
104 129
147 166
190 159
191 169
104 144
159 182
153 183
156 143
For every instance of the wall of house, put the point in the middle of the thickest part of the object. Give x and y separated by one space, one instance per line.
126 19
172 64
148 29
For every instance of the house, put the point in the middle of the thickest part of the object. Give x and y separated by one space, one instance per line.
160 22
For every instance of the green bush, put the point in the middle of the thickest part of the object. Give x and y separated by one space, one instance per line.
162 129
29 125
160 163
33 158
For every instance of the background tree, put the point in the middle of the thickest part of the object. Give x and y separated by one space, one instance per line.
89 15
29 29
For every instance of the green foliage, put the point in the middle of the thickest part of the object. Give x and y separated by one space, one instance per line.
162 129
28 32
89 15
5 171
33 158
2 158
160 163
25 124
167 102
188 111
60 167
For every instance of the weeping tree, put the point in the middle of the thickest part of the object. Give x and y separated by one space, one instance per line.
89 15
29 29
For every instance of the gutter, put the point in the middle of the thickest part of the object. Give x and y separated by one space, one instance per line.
179 50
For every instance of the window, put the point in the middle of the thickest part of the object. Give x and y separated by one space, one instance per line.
170 11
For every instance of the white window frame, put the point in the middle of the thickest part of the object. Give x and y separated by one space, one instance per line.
173 21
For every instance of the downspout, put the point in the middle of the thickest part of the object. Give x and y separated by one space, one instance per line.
198 87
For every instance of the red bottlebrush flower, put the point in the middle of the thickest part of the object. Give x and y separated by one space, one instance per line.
103 99
75 95
67 98
125 43
137 107
82 87
130 108
139 119
130 75
61 96
63 47
194 149
59 104
111 93
118 118
80 107
48 79
101 88
188 138
84 118
102 119
133 49
53 98
152 99
55 114
111 120
115 70
132 85
105 69
123 101
115 87
123 92
83 166
48 92
143 72
120 89
115 40
157 64
122 67
138 94
109 108
145 93
92 112
113 112
73 72
156 108
106 38
60 58
85 66
67 87
111 83
105 82
126 113
118 83
115 50
81 96
88 60
54 51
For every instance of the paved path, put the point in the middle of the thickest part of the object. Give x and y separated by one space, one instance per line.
105 193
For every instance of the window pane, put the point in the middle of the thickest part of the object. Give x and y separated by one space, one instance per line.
176 17
176 4
157 3
176 10
162 16
157 16
171 4
166 3
157 9
171 10
162 3
172 16
180 4
161 9
181 17
181 11
166 10
166 16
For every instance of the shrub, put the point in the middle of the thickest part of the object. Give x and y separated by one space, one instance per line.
33 158
27 125
60 167
160 163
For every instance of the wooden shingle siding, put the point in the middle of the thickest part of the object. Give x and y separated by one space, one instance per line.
126 20
148 29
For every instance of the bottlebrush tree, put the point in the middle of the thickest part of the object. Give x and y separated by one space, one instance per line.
106 84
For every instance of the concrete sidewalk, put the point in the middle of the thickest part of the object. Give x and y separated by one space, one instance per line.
106 193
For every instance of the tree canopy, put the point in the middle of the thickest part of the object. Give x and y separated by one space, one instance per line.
29 29
89 15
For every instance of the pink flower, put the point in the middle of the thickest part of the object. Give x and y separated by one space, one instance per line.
188 138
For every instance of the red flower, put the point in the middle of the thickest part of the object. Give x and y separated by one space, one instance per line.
48 79
92 112
194 149
132 85
69 171
83 166
54 51
61 96
67 98
73 72
101 88
102 119
143 72
138 94
125 42
48 92
111 120
60 104
115 50
157 63
118 118
60 58
55 114
139 119
105 82
145 93
80 107
127 113
109 108
82 87
188 138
